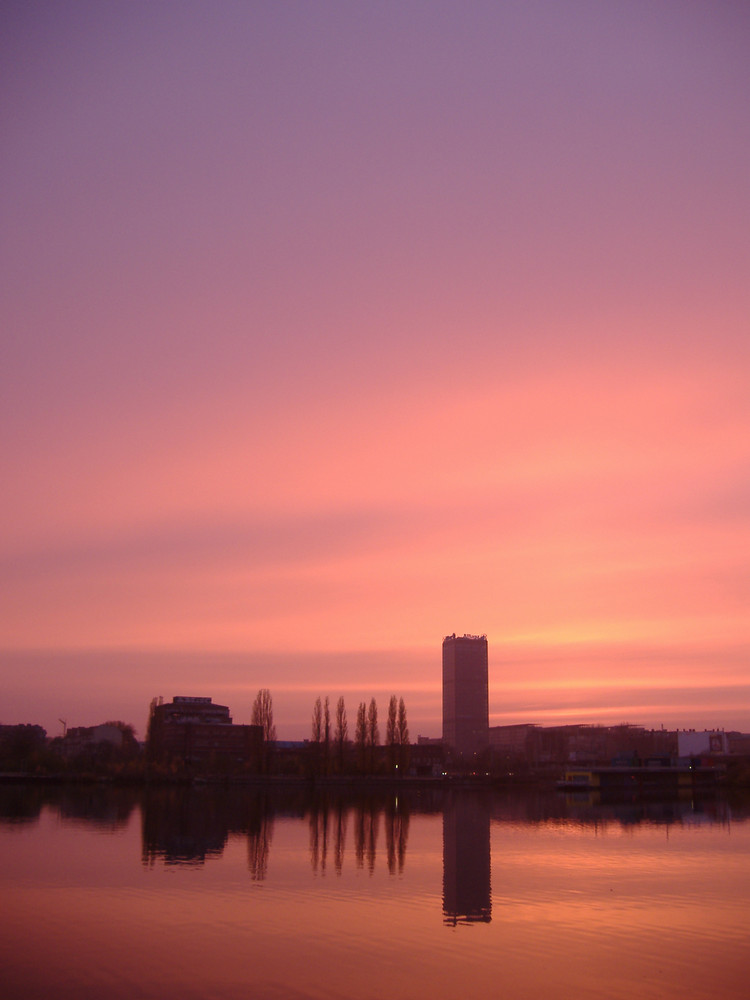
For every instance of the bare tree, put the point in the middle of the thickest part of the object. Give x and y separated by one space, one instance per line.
391 733
360 735
317 721
263 715
326 733
342 731
373 733
403 729
403 735
317 736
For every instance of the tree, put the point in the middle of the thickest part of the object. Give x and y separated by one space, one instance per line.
360 735
326 733
391 733
317 736
342 731
373 733
403 735
128 732
263 715
403 729
20 745
317 721
129 747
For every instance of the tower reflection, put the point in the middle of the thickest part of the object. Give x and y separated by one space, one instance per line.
466 859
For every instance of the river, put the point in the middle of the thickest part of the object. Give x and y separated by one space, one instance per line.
236 893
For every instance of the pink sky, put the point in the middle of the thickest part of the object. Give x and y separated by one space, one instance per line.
330 329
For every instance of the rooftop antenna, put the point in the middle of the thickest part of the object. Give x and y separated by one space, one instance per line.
64 725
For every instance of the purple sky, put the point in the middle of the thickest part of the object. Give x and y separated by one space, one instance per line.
330 329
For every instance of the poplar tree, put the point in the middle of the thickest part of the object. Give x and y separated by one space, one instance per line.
317 735
391 732
360 734
373 733
326 733
342 731
403 736
317 721
402 728
263 715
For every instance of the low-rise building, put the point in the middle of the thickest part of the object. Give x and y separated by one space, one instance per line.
535 745
195 730
426 758
86 739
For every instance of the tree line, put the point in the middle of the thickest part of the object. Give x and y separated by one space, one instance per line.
333 751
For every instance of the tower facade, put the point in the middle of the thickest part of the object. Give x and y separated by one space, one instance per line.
465 694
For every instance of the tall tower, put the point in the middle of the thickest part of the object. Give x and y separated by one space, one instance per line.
466 716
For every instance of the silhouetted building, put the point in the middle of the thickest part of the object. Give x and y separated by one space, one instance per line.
199 711
427 758
80 739
739 743
516 741
465 694
582 743
195 730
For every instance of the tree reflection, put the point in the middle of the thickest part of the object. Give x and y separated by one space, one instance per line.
366 829
396 834
340 842
325 818
259 846
319 836
329 817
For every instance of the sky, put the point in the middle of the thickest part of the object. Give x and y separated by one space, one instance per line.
330 329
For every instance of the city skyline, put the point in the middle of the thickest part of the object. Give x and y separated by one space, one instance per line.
332 329
296 724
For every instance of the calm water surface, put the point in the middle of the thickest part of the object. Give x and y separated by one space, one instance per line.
199 894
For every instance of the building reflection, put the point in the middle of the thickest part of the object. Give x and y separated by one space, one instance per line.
183 826
466 858
190 825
